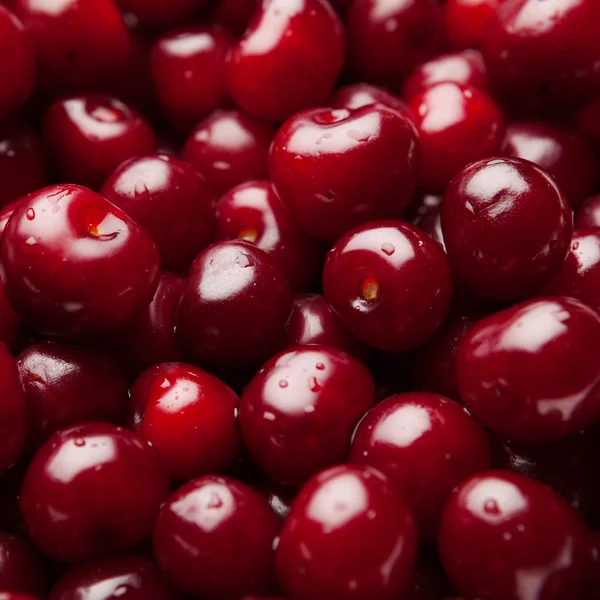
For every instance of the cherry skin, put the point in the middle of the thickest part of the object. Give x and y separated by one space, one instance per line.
336 169
588 214
389 283
78 499
457 124
298 413
499 199
170 200
88 136
465 21
5 214
253 212
15 596
216 512
288 59
234 15
504 535
357 95
157 14
229 148
349 535
75 264
10 322
22 569
508 376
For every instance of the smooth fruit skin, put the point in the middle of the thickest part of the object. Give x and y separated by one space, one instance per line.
10 322
508 376
336 169
357 95
75 264
91 489
505 536
288 59
298 413
495 200
465 21
349 535
216 512
389 283
588 214
22 568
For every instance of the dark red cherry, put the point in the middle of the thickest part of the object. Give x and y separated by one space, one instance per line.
216 512
91 489
22 569
288 59
588 214
495 200
234 14
457 124
349 536
357 95
10 322
389 283
298 413
336 169
532 371
157 14
465 21
504 535
229 148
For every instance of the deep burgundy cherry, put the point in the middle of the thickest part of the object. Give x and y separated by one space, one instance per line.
457 124
288 59
357 95
188 70
216 512
336 169
235 305
426 444
90 489
253 212
10 322
350 536
465 21
170 200
229 148
298 413
588 214
75 264
22 569
504 535
532 371
389 283
235 15
157 14
69 385
495 200
88 136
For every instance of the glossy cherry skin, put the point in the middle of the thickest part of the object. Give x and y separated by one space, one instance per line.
389 283
216 512
69 385
229 148
298 413
357 95
235 305
457 124
90 489
426 444
157 14
336 169
465 21
532 371
88 136
22 569
495 200
253 212
170 200
506 536
349 535
234 14
10 322
588 214
288 59
75 264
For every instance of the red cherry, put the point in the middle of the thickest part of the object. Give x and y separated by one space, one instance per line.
158 14
22 569
357 95
466 20
588 214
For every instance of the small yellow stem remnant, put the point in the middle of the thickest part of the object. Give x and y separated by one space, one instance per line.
370 289
247 234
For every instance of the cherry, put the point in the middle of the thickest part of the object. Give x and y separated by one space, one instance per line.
389 283
588 214
288 59
234 14
15 596
229 148
298 413
503 535
466 20
78 499
216 512
457 124
349 535
5 214
158 14
495 200
10 322
21 567
357 95
336 169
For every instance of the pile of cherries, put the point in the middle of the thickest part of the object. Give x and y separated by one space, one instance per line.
300 299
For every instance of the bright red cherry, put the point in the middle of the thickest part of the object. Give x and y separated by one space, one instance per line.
532 371
457 124
357 95
466 20
349 536
234 14
216 513
298 413
495 200
10 322
336 169
588 214
91 489
288 59
21 567
158 14
389 283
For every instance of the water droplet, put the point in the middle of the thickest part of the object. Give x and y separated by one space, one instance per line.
491 507
314 385
320 366
388 248
371 514
283 383
30 214
507 536
79 442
